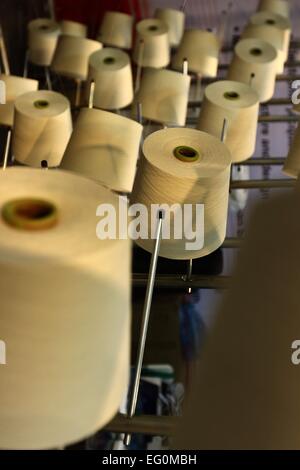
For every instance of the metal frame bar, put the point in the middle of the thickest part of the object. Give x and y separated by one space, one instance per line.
263 184
272 102
150 425
292 64
262 161
262 119
177 281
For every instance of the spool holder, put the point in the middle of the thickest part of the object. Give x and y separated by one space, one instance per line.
139 66
3 53
46 71
6 149
157 425
91 94
133 395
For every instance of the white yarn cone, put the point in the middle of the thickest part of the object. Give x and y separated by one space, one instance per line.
116 30
255 56
65 310
111 71
281 7
104 147
42 128
174 19
184 167
246 390
282 24
238 103
164 96
201 49
72 55
43 35
154 51
15 86
270 34
73 28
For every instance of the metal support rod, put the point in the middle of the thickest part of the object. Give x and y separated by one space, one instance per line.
91 94
183 6
77 93
149 425
3 52
198 86
188 277
232 243
51 9
139 66
139 112
26 64
252 76
178 281
262 184
185 67
6 151
48 78
224 130
132 401
262 161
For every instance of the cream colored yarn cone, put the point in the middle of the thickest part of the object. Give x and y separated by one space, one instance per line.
270 34
111 71
15 86
238 103
42 128
152 48
104 147
65 310
281 7
282 24
175 20
201 49
184 167
72 56
255 56
246 390
164 96
73 28
292 163
42 40
116 30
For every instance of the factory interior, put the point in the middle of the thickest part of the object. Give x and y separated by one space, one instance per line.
149 225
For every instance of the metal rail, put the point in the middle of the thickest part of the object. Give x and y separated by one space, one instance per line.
262 184
272 102
266 119
262 161
177 281
149 425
